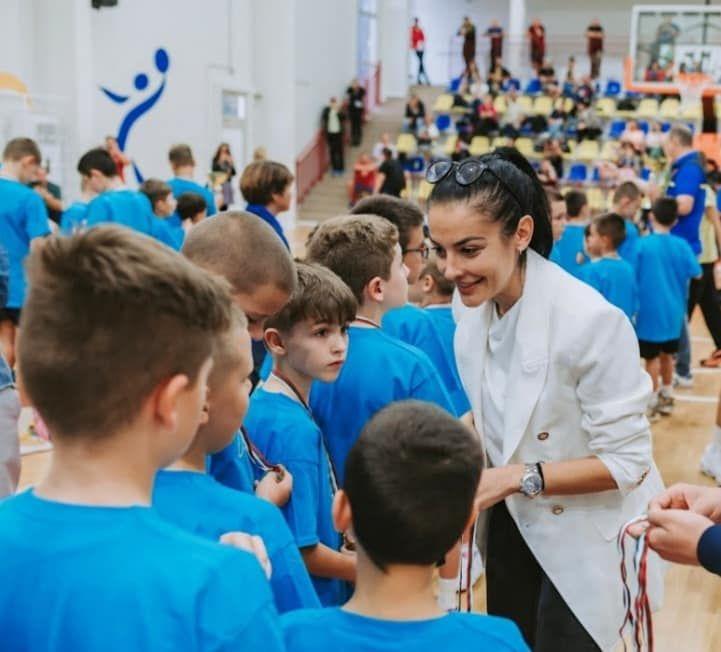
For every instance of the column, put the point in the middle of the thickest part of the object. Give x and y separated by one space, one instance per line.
516 37
394 23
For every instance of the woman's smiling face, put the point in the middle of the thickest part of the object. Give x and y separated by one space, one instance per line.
473 252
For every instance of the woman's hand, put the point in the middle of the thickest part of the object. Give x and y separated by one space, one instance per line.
497 484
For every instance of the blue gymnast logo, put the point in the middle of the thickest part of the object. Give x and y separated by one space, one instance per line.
141 82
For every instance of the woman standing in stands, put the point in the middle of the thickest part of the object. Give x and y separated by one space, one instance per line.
356 106
223 163
468 32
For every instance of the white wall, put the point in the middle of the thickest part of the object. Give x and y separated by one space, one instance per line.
394 16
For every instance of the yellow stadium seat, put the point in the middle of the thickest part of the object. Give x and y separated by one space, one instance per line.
500 141
596 198
479 145
570 154
526 103
443 103
543 105
500 104
647 108
606 107
609 151
669 108
525 146
450 145
691 111
406 143
587 150
424 190
568 105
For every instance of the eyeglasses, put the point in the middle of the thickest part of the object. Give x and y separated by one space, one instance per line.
466 173
423 250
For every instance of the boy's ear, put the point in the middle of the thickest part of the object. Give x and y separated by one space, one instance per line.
373 290
274 341
342 514
428 284
165 399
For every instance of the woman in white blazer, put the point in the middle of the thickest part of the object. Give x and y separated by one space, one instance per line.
558 397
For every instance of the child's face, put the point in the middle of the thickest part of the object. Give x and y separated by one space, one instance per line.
165 207
627 208
594 243
284 200
317 349
558 219
413 258
228 396
395 289
260 304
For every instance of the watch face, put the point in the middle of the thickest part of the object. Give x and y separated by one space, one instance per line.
532 484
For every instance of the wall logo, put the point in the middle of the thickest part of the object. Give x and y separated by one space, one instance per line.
139 102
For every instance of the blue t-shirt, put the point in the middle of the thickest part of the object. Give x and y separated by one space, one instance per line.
199 504
175 225
442 316
131 209
568 252
264 214
284 431
615 279
335 630
627 250
23 216
88 578
179 186
687 178
232 466
379 369
416 327
664 266
73 218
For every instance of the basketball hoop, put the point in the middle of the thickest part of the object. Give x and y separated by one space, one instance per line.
691 87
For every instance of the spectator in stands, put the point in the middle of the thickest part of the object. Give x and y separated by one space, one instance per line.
383 143
633 134
497 76
553 153
559 116
223 164
537 43
50 193
585 91
120 160
418 45
547 174
513 116
594 38
391 179
460 151
415 112
363 182
654 73
468 32
485 116
571 72
589 124
547 74
355 95
628 162
654 140
471 81
428 132
495 35
332 120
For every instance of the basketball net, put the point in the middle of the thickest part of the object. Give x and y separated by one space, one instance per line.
691 86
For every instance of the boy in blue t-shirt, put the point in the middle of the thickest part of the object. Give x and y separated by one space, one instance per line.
665 264
187 496
115 203
121 387
228 246
411 481
568 252
608 273
409 323
626 202
182 163
74 217
380 369
189 211
307 340
23 217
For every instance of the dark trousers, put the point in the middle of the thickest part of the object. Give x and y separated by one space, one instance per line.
517 588
335 145
595 64
422 75
356 127
703 293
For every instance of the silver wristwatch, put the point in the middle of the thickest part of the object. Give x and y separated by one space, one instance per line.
532 481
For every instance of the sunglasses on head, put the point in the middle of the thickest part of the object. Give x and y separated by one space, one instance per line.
466 173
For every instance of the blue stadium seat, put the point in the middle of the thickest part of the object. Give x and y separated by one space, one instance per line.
443 122
665 126
454 85
595 175
643 126
617 128
533 87
613 88
578 173
415 164
512 83
646 174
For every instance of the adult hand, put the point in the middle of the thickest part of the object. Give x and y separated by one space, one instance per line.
276 487
249 543
705 501
497 484
674 534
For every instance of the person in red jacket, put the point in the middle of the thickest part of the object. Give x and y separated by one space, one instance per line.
418 45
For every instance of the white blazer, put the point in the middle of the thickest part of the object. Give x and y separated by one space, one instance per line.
576 389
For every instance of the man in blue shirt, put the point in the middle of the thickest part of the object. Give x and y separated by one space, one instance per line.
266 186
183 165
23 217
687 179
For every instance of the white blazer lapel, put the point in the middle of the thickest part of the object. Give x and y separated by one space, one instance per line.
529 363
